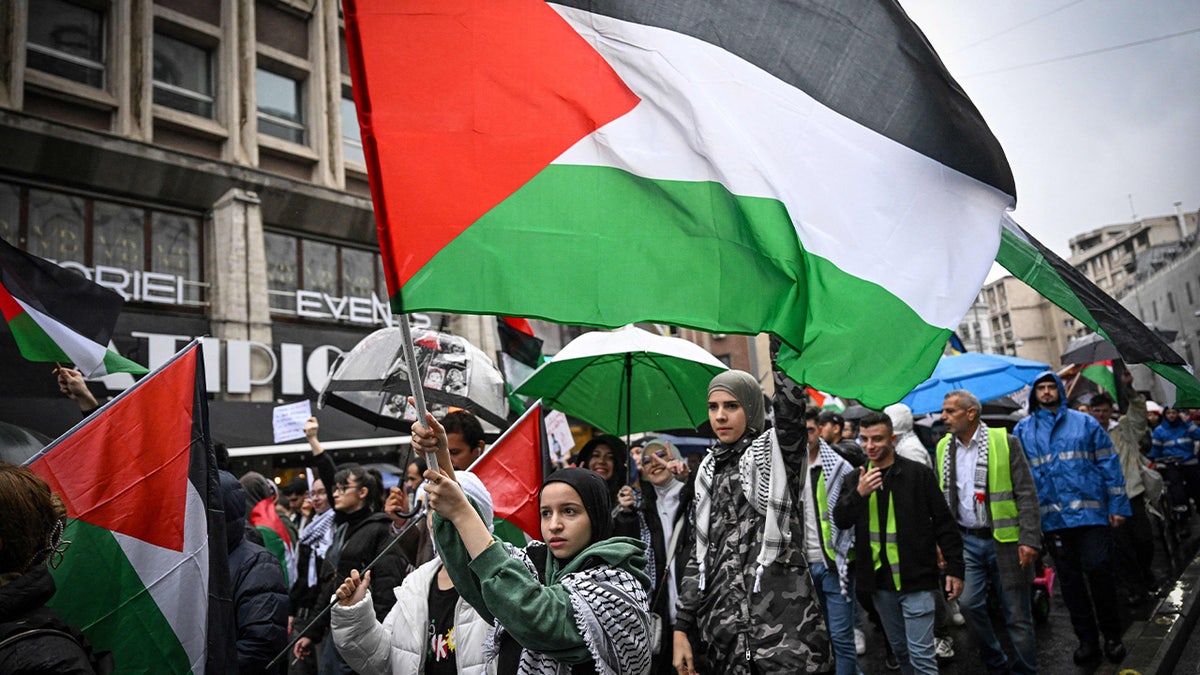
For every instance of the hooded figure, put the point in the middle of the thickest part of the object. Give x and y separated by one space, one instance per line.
908 445
746 592
576 604
260 601
402 643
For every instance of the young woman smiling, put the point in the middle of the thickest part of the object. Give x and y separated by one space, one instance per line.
576 604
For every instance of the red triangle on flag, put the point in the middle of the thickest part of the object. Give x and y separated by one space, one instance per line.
126 468
492 91
512 472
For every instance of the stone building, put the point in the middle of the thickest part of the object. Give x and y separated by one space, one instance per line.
1113 255
1025 324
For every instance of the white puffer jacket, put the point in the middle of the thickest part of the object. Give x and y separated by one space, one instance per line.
399 644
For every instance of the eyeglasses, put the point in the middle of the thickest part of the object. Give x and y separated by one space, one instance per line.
345 488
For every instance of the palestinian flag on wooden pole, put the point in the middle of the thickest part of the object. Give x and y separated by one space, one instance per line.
520 355
56 315
735 167
147 575
1033 263
513 469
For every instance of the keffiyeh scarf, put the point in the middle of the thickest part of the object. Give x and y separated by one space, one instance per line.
982 516
764 482
835 469
610 607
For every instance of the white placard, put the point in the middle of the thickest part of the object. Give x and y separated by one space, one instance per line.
288 420
558 436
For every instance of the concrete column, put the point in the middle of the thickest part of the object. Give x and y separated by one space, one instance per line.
238 271
329 70
479 331
245 122
14 18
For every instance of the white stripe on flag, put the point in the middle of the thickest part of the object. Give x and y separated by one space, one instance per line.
88 356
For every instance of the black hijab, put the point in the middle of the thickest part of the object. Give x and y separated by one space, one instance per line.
593 492
620 455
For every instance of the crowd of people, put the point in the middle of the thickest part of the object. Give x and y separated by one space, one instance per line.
760 558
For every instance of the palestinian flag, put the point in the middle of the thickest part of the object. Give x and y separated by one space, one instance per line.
1030 261
146 576
512 469
825 401
55 314
1101 374
275 535
520 355
737 167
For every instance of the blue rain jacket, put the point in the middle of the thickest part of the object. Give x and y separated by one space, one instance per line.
1076 469
1174 441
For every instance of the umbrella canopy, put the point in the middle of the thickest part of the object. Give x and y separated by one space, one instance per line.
1093 347
628 380
370 381
988 376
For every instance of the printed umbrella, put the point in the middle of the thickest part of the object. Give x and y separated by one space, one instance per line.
627 380
988 376
370 381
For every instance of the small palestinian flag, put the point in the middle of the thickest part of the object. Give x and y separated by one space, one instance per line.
520 355
1033 263
1101 373
809 170
512 469
56 315
147 575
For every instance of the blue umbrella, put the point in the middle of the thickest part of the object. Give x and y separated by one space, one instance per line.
988 376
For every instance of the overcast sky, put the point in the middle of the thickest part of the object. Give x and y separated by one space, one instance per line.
1082 134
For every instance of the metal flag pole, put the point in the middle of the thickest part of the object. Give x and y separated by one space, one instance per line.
415 384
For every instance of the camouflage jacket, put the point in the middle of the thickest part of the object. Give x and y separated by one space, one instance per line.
779 628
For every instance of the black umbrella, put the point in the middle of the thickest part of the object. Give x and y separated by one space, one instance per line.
1093 347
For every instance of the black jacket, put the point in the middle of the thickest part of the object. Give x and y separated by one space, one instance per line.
923 523
260 601
628 524
64 650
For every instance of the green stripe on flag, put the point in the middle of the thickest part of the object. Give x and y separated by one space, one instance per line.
115 363
35 344
118 613
506 531
641 234
1102 375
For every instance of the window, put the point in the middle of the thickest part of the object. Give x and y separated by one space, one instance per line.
144 254
1154 309
67 40
183 76
1171 302
315 267
1188 287
280 106
352 148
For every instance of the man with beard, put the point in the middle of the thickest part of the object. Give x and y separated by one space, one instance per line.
1082 494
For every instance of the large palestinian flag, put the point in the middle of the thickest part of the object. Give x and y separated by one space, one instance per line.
809 169
513 469
55 314
1033 263
146 575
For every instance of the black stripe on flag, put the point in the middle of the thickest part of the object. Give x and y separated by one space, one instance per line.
864 59
82 305
518 344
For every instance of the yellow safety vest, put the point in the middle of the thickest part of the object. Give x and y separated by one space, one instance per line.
886 540
1002 502
823 519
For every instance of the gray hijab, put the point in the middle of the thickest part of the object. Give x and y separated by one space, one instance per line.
743 387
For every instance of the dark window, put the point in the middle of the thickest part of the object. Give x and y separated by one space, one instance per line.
67 40
1188 287
118 236
358 272
10 213
57 226
352 147
175 250
1171 302
280 106
320 267
183 76
296 264
283 271
1154 308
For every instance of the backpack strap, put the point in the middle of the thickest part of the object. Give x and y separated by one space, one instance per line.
35 632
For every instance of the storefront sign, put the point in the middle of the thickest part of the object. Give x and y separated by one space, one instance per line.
163 289
372 310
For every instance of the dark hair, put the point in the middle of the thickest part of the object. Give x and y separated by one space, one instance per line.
364 477
1103 398
295 486
811 413
222 453
31 513
420 462
873 418
620 455
465 423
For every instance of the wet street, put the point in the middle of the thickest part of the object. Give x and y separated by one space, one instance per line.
1056 641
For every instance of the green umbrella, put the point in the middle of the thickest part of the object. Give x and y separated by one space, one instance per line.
627 380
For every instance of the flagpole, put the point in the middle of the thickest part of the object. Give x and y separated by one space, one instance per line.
414 383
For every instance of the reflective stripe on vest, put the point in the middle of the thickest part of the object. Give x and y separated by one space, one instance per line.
885 540
1002 503
823 519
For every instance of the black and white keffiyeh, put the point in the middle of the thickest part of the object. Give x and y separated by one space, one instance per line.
316 534
764 481
835 470
611 612
982 515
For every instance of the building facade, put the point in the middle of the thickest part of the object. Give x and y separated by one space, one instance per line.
1112 256
1025 324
